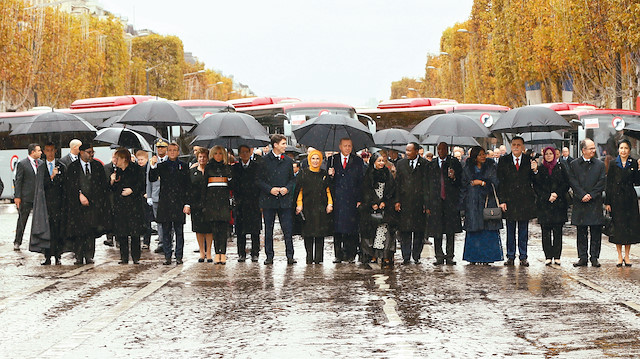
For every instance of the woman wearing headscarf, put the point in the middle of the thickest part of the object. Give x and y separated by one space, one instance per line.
378 191
621 201
315 203
551 185
217 205
482 242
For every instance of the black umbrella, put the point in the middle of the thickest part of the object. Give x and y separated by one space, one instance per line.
123 137
325 132
632 130
542 138
230 129
530 119
450 124
148 132
464 141
54 123
293 149
157 114
393 139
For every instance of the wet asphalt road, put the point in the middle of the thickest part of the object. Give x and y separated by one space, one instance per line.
250 310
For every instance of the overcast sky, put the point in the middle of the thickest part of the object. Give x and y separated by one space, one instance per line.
333 50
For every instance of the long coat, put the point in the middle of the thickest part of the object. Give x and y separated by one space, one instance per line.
314 186
247 196
128 211
369 198
475 197
40 239
516 188
412 195
587 177
621 196
449 208
174 187
93 219
216 204
544 184
48 209
275 172
347 189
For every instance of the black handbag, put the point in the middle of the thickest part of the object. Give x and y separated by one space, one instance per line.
491 213
607 229
377 216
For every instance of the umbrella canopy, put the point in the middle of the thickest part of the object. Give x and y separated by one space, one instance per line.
157 114
230 129
325 132
148 132
450 124
394 139
542 138
293 149
632 130
123 137
464 141
54 123
530 119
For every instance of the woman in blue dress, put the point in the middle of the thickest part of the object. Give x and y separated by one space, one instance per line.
482 242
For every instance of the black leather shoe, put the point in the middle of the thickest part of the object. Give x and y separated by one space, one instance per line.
268 261
200 260
337 260
242 259
291 261
509 262
438 262
254 258
123 262
406 262
417 262
136 262
167 262
47 262
58 262
89 261
580 263
451 262
179 261
159 250
595 263
524 262
78 263
210 260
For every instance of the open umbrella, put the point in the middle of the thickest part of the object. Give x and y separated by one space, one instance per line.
452 125
54 123
123 137
157 114
148 132
530 119
393 139
230 129
632 130
292 149
542 138
464 141
325 132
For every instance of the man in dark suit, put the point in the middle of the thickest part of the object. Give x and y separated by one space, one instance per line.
587 179
172 204
346 171
86 189
25 187
276 182
411 201
566 158
517 199
74 151
247 210
444 179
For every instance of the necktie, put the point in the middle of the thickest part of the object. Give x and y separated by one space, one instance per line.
413 165
50 168
344 163
517 164
443 195
86 169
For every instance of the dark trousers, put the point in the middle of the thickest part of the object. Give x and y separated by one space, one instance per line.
552 248
124 248
411 244
23 215
255 245
219 230
437 243
55 248
583 245
167 243
345 246
85 247
148 218
315 249
523 239
285 215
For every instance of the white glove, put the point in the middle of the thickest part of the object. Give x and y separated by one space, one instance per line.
150 201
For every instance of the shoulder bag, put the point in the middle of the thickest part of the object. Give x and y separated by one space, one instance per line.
490 213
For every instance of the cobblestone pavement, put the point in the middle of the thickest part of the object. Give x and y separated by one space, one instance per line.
200 310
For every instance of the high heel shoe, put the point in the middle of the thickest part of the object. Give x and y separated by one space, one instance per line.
619 264
217 260
200 260
223 259
626 264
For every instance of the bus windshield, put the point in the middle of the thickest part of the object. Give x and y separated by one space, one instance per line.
299 115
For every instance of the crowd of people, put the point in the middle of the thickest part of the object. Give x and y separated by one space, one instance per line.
366 202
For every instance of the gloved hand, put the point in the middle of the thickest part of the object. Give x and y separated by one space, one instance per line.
150 201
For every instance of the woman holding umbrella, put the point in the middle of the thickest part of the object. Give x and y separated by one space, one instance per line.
314 202
216 204
198 193
128 186
621 202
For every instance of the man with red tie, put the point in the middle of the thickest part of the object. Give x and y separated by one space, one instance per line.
346 171
517 198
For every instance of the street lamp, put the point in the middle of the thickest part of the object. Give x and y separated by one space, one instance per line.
193 73
463 65
416 91
147 76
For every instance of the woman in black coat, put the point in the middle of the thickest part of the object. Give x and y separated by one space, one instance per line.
314 201
217 209
378 192
551 184
128 186
197 194
621 201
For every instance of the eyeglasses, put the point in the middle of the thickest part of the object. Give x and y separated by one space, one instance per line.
90 152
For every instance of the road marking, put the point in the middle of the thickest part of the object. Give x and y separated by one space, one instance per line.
96 325
389 307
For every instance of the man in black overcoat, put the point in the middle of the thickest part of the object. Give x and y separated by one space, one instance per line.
587 177
25 187
517 199
411 202
87 207
444 180
247 210
174 185
74 151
